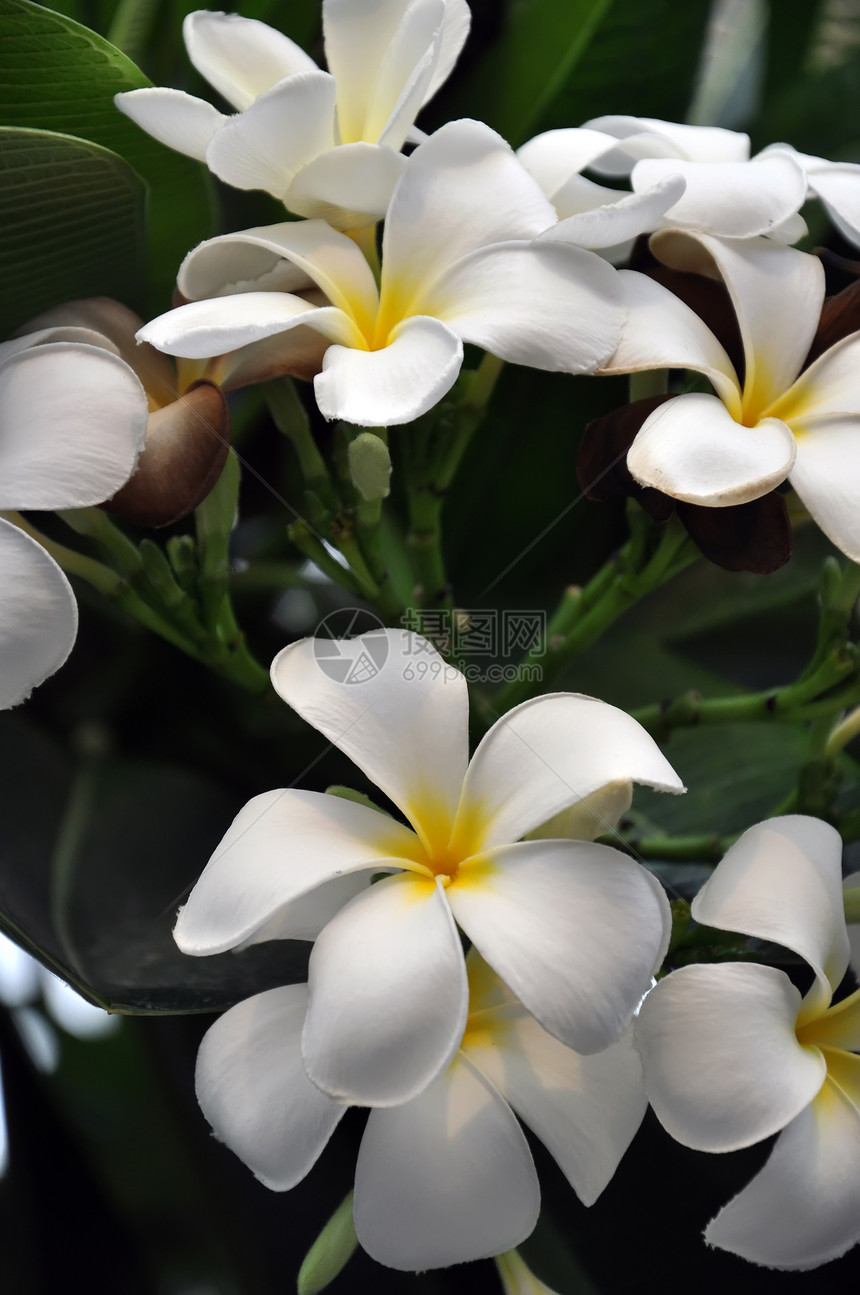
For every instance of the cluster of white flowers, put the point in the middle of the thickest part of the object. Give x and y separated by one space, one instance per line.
515 253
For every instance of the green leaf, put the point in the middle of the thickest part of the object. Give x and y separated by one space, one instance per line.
736 774
96 857
71 213
57 75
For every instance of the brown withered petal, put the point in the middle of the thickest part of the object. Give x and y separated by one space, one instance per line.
742 537
840 316
601 463
298 353
186 447
118 324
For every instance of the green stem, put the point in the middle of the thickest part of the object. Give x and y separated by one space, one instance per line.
703 848
96 525
582 616
290 417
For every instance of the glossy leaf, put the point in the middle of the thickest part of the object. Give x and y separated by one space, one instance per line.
72 215
57 75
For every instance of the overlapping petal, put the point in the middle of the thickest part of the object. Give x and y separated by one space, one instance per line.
826 476
661 331
387 994
280 846
548 754
585 1110
575 929
730 199
612 220
216 325
445 1178
691 448
377 722
395 384
174 118
723 1066
803 1208
253 1090
38 615
641 137
554 156
542 304
241 57
782 881
777 294
350 185
288 126
463 189
73 421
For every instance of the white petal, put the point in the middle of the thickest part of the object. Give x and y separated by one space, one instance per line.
463 189
280 846
305 917
73 422
831 385
804 1207
585 1110
542 303
253 1090
318 254
730 199
387 994
826 476
575 929
403 718
553 157
445 1178
455 29
38 615
777 293
212 327
174 118
550 753
405 72
661 332
395 384
782 881
241 57
837 184
263 147
648 137
348 186
691 448
723 1067
588 818
619 219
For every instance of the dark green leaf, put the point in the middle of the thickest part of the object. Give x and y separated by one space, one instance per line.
57 75
95 862
72 220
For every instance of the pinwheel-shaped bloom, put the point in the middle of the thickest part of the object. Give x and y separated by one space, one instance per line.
685 177
732 1054
326 143
783 421
447 1176
573 927
72 423
459 263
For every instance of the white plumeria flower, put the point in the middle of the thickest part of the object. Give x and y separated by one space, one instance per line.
447 1176
783 422
326 143
576 929
459 263
685 177
732 1054
72 423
